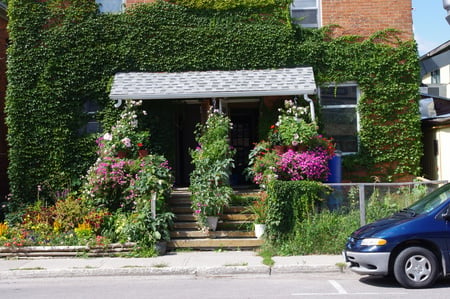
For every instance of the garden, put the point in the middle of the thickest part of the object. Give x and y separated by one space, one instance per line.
122 199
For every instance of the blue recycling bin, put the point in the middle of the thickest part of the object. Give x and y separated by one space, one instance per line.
335 165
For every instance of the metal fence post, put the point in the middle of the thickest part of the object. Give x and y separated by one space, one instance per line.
153 205
362 205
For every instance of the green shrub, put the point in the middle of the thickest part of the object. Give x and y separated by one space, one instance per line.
290 202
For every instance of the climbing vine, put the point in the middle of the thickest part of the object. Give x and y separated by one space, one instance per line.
62 57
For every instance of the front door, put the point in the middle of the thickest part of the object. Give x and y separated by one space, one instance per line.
243 136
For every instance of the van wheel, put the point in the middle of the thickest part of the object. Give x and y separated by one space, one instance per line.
416 267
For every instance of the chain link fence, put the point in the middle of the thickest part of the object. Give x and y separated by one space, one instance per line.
375 200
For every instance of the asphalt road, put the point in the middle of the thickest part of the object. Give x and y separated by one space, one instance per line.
328 285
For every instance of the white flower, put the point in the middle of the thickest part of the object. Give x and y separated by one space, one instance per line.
107 136
126 141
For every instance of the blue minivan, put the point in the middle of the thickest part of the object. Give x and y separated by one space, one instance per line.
413 245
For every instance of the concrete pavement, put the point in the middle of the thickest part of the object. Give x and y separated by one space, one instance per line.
195 264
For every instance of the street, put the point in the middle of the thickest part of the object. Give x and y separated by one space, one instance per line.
279 286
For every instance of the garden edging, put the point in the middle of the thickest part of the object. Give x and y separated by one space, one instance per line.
67 251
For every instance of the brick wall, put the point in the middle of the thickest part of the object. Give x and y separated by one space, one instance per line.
360 17
365 17
130 3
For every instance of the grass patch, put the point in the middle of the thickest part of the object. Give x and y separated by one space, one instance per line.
267 252
243 264
160 265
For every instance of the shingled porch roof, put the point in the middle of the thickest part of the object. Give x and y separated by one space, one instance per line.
213 84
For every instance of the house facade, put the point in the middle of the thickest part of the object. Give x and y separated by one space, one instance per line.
435 111
338 103
351 17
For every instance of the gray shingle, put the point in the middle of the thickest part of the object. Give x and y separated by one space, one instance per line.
213 84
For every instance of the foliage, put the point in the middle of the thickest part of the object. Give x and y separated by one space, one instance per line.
225 5
139 226
70 221
125 135
259 208
290 202
262 163
293 125
325 232
295 151
212 160
118 182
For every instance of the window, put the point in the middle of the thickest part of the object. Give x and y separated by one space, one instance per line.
339 115
436 77
92 125
305 13
110 6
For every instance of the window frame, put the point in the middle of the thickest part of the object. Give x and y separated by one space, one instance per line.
318 10
345 106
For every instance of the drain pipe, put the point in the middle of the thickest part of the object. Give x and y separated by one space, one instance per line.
311 107
118 103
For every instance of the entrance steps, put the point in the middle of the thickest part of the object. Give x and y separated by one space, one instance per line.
234 229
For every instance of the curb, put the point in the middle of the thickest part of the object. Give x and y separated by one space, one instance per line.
168 271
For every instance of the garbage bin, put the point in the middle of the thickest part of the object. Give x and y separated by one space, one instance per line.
335 165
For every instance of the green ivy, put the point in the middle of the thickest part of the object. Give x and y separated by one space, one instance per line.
289 203
61 57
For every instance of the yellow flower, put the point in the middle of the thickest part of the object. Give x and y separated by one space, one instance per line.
3 228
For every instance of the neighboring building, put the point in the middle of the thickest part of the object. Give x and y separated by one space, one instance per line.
3 145
435 111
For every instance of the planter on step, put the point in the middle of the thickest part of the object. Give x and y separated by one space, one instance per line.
259 230
211 221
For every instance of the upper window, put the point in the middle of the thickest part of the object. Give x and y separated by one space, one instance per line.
306 13
339 115
110 6
436 77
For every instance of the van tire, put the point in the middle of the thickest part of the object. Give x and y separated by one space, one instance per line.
416 267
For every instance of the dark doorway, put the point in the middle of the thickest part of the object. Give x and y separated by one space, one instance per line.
188 117
244 134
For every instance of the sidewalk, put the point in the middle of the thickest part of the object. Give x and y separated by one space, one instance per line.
195 264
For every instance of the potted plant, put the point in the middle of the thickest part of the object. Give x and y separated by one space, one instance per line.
259 209
293 126
212 160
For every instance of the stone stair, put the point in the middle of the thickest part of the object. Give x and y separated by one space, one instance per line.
234 230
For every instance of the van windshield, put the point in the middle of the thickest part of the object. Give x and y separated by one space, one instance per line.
431 201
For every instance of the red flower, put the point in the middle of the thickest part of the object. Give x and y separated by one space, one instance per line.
140 144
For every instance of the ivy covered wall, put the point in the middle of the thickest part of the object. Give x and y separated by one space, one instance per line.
63 56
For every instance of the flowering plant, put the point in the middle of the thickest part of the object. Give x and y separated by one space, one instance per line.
262 163
292 125
124 135
307 165
212 160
